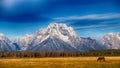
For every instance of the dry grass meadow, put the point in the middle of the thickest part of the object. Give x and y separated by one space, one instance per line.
68 62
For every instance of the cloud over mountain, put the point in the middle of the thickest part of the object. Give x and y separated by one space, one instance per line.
92 21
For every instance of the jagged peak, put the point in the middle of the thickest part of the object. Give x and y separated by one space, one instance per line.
1 34
111 40
114 33
57 29
3 37
28 35
53 25
59 25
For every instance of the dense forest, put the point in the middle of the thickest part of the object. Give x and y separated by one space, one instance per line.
59 54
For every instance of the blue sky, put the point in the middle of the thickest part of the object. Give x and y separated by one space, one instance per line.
92 18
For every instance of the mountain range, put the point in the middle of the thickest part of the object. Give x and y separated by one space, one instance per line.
58 37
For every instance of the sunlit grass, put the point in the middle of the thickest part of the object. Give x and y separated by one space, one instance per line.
71 62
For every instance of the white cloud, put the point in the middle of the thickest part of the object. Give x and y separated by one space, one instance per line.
91 17
98 26
91 26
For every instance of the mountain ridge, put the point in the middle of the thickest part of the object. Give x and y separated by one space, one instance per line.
58 36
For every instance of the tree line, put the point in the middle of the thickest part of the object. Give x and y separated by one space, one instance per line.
59 54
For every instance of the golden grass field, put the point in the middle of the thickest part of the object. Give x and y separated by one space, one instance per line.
68 62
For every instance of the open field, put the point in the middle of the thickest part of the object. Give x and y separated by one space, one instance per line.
68 62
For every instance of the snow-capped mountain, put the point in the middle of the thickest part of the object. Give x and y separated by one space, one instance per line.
56 37
24 41
6 44
111 41
89 44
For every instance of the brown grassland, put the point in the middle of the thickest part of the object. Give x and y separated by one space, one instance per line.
67 62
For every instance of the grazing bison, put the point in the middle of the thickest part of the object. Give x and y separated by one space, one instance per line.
101 58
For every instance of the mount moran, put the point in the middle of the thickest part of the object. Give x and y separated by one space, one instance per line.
59 37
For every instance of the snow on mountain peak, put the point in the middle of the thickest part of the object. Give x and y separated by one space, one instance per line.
24 41
58 30
56 36
1 34
111 40
25 37
112 34
56 25
5 43
62 28
117 35
28 36
3 37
